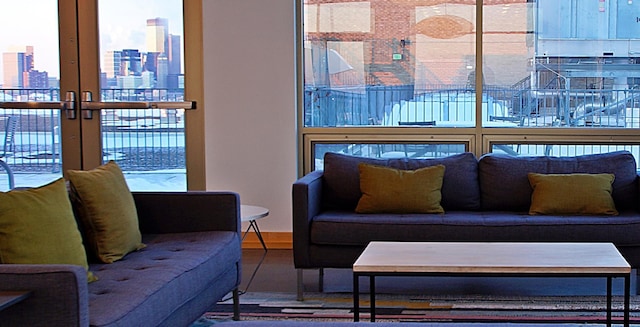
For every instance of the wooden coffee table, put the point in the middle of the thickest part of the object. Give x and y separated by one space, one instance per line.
491 259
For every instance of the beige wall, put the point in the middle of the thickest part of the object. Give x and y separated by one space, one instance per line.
250 115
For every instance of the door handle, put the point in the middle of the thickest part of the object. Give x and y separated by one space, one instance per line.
88 106
68 105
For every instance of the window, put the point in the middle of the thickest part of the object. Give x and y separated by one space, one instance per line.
386 150
141 50
525 77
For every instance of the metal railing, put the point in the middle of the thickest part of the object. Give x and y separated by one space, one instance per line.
450 105
138 140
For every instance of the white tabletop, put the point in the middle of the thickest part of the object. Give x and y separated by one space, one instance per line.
479 257
250 213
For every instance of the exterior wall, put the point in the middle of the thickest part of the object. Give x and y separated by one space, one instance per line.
570 28
425 42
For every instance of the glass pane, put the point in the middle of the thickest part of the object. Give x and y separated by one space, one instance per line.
563 63
389 63
29 71
564 150
142 60
386 150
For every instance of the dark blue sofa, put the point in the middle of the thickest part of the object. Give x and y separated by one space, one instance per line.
191 261
485 199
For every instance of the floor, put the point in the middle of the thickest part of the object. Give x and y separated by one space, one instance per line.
277 274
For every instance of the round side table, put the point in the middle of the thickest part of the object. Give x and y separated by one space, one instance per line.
251 214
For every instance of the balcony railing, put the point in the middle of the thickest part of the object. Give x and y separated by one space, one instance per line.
454 106
139 140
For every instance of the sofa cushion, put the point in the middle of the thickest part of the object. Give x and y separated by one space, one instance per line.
37 226
386 189
460 190
504 182
572 194
174 269
107 211
346 228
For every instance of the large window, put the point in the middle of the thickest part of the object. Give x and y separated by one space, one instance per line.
526 77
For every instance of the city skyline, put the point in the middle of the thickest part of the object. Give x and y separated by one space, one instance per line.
122 25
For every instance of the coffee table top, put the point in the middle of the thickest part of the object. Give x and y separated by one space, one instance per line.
498 257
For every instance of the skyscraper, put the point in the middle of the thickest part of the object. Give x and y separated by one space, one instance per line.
35 79
131 63
162 73
174 56
16 64
158 35
163 53
14 67
174 61
112 62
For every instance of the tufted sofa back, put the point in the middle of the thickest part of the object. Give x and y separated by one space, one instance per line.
504 183
460 188
496 181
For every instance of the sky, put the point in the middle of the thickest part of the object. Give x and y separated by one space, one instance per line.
122 26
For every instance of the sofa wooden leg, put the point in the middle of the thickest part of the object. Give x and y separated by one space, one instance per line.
236 304
321 280
300 286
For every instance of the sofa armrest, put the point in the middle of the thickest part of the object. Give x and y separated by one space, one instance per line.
59 295
191 211
307 203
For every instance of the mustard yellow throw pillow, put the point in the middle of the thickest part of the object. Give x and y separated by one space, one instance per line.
572 194
107 211
37 226
389 190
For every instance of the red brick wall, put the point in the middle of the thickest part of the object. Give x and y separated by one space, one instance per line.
446 52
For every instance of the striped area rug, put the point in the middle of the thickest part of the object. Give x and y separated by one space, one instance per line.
423 308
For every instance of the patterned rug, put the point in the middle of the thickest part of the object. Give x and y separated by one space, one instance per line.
421 308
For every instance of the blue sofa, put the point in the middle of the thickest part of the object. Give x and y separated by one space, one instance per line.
485 200
191 261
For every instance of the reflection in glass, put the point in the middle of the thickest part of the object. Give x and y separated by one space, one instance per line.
563 150
545 63
389 63
566 63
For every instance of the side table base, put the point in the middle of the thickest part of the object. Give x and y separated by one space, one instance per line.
254 225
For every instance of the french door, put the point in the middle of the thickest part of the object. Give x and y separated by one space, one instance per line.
111 88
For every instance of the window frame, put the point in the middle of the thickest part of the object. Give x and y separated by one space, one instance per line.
478 140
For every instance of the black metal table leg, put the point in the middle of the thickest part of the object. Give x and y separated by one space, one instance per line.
609 296
372 293
356 298
256 229
627 299
254 225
